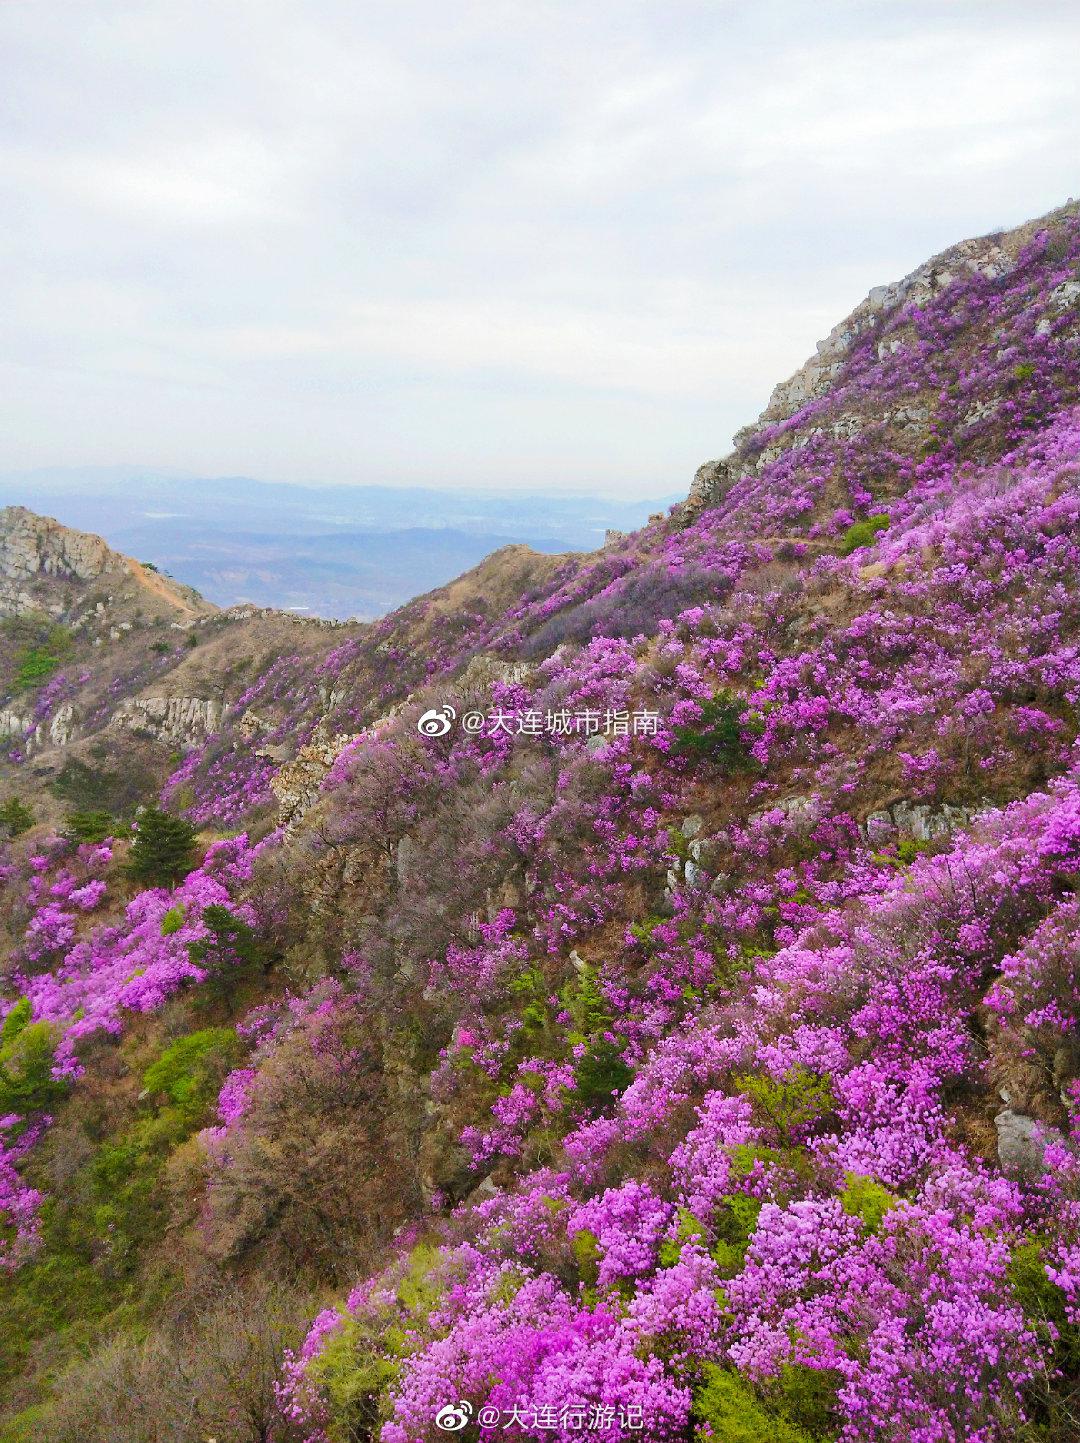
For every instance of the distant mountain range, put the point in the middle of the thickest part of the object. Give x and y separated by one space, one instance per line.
335 551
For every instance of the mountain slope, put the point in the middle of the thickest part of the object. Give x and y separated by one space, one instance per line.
688 1049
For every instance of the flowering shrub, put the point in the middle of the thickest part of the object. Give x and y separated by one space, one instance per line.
19 1203
136 965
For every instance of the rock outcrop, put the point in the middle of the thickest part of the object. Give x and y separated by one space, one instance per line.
296 785
918 820
32 546
991 256
711 483
54 569
186 720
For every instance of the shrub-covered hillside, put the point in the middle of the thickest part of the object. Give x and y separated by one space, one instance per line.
677 1040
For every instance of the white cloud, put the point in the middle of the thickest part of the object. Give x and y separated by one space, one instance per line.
535 242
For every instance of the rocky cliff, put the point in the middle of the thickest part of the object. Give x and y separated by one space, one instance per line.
883 326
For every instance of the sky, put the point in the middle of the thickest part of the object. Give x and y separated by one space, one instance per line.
536 245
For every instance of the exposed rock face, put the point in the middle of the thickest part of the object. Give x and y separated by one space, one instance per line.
49 568
55 731
296 785
251 726
13 723
484 668
1021 1142
183 719
33 546
712 482
62 725
918 820
802 811
443 1165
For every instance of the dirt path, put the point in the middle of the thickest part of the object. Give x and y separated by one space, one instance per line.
163 589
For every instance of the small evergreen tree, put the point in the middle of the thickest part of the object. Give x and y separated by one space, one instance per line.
15 817
163 850
230 953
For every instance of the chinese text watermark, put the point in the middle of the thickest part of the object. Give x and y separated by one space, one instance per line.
529 721
575 1417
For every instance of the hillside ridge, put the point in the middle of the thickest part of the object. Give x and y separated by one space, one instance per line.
993 256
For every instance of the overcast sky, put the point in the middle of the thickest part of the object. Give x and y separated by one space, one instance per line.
497 244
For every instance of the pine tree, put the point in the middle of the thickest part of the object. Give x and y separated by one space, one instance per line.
163 850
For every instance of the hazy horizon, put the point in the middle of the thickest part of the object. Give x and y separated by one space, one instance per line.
340 551
122 472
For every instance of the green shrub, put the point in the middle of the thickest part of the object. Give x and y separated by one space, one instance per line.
1044 1306
359 1361
95 788
789 1105
26 1060
798 1407
862 533
583 998
688 1228
112 1212
643 931
727 1405
907 849
26 1426
601 1072
124 1200
40 648
90 828
586 1250
82 786
353 1375
735 1224
1024 371
720 733
16 1020
163 850
16 817
172 921
34 666
599 1076
806 1399
189 1071
866 1199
